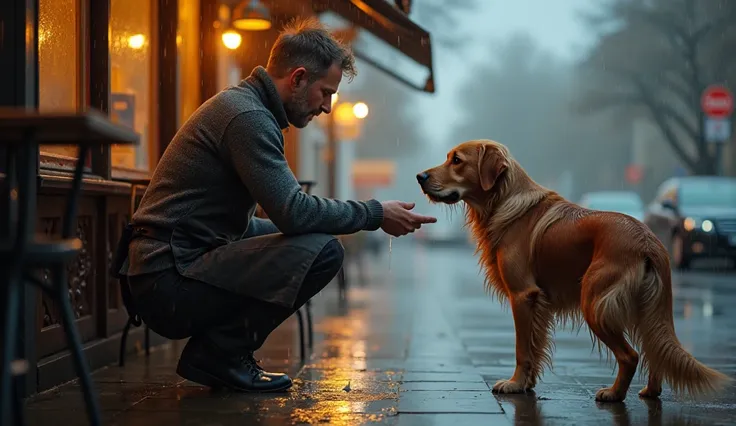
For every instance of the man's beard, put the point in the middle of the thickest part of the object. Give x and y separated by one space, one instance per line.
297 110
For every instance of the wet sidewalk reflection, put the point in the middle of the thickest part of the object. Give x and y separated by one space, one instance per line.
418 345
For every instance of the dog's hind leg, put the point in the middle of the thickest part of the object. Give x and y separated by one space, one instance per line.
653 388
605 301
533 321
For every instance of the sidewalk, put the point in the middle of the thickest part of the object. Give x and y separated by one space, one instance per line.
419 345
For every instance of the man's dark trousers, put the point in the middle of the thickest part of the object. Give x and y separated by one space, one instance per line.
222 324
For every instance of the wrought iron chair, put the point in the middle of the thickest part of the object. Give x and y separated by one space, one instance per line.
21 132
134 319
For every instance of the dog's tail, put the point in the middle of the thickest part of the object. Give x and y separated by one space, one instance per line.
662 352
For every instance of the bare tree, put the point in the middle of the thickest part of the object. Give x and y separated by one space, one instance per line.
522 98
655 58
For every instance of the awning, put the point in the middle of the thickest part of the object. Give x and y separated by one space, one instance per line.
386 39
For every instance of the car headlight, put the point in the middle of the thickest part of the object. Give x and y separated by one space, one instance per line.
693 223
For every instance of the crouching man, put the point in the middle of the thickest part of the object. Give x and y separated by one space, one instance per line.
199 264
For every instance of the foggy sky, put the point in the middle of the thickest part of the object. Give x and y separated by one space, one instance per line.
552 24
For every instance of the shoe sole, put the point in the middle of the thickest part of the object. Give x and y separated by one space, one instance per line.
201 377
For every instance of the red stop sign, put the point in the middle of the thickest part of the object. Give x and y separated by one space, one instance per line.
717 102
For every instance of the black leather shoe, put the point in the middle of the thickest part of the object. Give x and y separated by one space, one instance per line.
208 367
249 358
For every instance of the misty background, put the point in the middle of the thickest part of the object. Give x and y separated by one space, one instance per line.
579 91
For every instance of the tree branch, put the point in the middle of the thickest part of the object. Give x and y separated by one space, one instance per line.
678 119
661 121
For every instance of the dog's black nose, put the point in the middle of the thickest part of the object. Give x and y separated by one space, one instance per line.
421 177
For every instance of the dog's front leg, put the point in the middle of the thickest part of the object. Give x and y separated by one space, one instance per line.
532 320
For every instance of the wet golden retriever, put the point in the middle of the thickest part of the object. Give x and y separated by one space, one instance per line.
554 261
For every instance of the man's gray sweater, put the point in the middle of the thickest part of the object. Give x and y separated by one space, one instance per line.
226 158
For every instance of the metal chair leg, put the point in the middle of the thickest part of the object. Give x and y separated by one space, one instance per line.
10 338
302 348
147 339
75 345
19 417
310 331
123 342
342 284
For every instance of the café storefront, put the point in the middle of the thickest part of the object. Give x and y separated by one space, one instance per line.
147 64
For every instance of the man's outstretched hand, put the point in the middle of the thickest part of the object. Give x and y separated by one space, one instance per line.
398 219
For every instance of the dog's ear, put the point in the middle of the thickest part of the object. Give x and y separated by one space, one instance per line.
490 167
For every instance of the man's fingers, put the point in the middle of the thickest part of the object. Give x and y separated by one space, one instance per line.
423 219
406 205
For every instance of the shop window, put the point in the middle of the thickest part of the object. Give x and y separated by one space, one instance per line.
187 41
59 70
131 73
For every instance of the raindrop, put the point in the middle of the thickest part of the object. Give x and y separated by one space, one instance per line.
390 239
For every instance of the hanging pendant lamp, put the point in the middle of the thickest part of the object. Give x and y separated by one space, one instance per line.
254 16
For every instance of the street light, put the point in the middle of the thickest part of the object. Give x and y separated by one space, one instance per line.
346 115
360 110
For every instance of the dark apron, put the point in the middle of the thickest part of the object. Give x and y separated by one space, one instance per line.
269 267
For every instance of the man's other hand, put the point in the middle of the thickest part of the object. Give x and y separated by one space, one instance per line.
398 219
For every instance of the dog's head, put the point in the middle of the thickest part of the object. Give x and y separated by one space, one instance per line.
473 171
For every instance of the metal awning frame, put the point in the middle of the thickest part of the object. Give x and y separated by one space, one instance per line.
391 26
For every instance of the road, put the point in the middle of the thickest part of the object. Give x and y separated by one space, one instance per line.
420 343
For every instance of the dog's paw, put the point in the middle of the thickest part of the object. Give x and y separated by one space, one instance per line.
647 393
508 386
608 395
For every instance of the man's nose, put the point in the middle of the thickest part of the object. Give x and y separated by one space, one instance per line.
422 177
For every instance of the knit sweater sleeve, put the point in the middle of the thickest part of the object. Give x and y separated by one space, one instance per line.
254 144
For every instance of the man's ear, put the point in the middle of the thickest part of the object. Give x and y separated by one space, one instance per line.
298 77
490 167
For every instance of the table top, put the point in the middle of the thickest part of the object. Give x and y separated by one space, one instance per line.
89 127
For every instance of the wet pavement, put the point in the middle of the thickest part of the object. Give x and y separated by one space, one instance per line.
419 344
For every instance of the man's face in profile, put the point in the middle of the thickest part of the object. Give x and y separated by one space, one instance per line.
311 99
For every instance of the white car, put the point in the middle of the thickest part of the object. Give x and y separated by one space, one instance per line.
626 202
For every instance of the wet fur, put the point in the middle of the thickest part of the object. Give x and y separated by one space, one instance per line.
555 262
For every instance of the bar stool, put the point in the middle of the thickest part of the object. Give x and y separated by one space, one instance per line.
21 133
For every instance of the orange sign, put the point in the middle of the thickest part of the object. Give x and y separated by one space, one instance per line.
373 173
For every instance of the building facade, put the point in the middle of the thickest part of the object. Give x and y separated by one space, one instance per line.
147 64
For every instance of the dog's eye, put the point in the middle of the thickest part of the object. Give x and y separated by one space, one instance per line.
456 159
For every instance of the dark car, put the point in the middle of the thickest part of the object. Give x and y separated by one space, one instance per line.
695 217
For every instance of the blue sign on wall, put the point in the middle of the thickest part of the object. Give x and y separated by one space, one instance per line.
123 109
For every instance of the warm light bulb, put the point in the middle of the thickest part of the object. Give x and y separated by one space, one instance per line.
360 110
231 39
136 41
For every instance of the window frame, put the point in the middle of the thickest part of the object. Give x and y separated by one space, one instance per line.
56 163
94 90
124 173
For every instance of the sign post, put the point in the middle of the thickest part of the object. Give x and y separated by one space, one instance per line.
717 105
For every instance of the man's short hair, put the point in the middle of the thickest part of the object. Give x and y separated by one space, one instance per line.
306 43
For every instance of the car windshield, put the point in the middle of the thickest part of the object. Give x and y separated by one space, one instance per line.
709 193
614 203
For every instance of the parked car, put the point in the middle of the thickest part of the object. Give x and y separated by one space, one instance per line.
626 202
695 217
